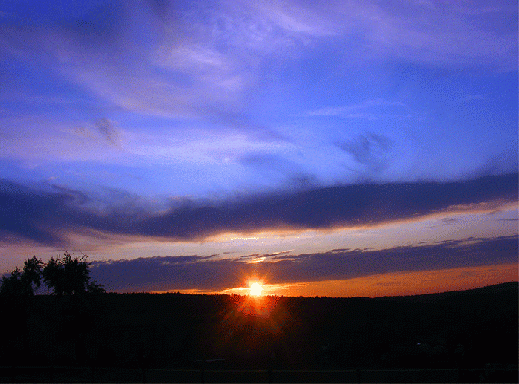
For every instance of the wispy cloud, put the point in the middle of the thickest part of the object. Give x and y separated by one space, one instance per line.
196 66
178 60
371 150
369 109
444 34
48 140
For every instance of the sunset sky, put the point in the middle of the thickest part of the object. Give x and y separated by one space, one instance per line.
341 148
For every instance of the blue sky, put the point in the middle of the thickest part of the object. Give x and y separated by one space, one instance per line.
118 119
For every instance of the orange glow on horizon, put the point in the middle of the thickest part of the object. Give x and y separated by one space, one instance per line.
390 284
407 283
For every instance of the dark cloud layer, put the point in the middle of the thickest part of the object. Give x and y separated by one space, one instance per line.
205 273
45 216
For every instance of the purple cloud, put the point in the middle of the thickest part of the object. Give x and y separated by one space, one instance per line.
207 273
46 216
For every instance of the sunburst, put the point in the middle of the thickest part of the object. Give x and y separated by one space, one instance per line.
256 289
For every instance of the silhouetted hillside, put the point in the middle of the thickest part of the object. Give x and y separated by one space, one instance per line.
450 330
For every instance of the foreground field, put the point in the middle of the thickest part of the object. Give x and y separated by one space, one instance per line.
455 336
122 375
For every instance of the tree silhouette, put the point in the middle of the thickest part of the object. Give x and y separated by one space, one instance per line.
16 294
68 276
23 283
64 276
32 274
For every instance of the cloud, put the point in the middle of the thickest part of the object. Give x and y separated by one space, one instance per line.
47 216
108 130
206 273
371 150
372 109
294 18
43 140
441 34
189 60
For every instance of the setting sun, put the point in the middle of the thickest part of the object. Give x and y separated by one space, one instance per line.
255 289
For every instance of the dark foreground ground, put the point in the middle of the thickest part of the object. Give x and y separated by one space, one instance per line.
136 375
469 336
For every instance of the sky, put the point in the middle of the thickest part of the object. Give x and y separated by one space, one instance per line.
337 148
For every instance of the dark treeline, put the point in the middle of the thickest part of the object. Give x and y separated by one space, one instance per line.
468 329
65 275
